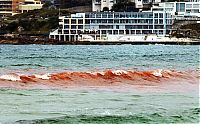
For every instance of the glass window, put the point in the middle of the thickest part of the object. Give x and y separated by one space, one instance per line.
151 21
110 16
115 32
66 26
86 15
122 15
156 21
66 31
132 31
80 21
73 26
116 15
87 21
93 21
73 31
98 15
80 26
116 21
180 7
156 15
66 21
73 21
109 31
104 21
121 31
92 15
110 21
117 26
150 26
103 32
151 15
195 5
160 21
188 5
104 15
160 15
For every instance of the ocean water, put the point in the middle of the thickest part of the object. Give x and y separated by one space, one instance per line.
100 84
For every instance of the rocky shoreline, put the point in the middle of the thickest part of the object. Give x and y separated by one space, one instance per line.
21 40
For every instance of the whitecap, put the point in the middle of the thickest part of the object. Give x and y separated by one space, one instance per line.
44 76
10 77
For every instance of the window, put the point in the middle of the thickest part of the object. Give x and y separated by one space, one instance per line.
110 16
66 21
80 21
156 15
188 5
110 21
116 21
160 15
73 31
87 21
156 21
115 32
80 26
116 15
103 32
66 31
195 5
104 15
73 21
98 15
121 31
66 27
73 26
117 26
180 7
160 21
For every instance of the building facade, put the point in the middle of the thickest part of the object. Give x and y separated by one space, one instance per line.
28 5
12 7
98 5
180 8
5 7
101 25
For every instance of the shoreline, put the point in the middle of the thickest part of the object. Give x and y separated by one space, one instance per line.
45 41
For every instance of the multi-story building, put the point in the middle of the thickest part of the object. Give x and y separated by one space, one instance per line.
12 7
112 25
5 7
180 8
98 5
28 5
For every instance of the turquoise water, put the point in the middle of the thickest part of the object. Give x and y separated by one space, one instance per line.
84 58
97 105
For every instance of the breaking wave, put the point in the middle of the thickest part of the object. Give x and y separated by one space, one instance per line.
104 78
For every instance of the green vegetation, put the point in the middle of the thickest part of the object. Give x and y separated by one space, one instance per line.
189 30
33 22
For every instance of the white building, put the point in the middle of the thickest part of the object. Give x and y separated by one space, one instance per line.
28 5
112 25
12 7
98 5
180 8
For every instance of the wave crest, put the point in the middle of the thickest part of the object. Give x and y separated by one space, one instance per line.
108 77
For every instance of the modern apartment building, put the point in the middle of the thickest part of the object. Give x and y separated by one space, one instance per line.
5 7
98 5
28 5
12 7
101 25
180 8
